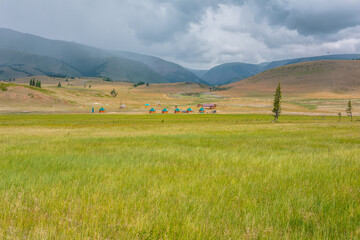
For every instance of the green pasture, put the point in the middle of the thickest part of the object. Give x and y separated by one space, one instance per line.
179 177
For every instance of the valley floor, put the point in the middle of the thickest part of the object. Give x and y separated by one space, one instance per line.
179 177
81 95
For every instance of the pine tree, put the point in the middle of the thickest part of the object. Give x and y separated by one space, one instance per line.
339 116
113 93
277 103
37 83
59 84
30 82
349 110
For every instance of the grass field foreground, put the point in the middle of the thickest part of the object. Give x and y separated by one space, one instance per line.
179 177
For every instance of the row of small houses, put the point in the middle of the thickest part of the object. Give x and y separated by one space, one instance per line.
152 110
177 110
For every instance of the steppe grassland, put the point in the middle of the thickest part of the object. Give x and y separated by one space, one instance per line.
246 98
179 177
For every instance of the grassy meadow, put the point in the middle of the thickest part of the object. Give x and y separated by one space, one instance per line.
179 177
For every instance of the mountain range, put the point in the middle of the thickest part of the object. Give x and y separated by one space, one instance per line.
23 55
81 60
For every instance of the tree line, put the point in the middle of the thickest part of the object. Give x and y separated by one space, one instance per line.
34 83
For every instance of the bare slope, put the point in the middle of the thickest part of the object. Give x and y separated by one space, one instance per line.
334 77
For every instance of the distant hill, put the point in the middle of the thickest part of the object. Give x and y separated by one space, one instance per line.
309 59
199 73
172 72
230 72
233 72
124 69
327 76
15 65
90 61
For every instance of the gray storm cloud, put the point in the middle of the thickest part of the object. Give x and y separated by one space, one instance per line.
198 34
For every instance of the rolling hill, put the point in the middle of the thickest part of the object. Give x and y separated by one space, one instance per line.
275 64
312 78
90 61
233 72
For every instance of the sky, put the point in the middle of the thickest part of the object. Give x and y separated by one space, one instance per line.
197 34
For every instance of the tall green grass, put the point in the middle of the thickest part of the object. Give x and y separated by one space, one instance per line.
178 177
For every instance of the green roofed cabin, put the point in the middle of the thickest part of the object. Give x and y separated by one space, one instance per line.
102 110
152 110
201 110
189 110
177 110
164 110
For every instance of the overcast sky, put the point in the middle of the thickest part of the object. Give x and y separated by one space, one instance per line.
195 33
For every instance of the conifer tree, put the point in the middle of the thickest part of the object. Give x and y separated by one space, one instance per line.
277 103
113 93
30 82
349 110
59 84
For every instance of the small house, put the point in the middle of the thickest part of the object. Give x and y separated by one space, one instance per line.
209 106
102 110
147 105
202 110
152 110
177 110
164 110
189 110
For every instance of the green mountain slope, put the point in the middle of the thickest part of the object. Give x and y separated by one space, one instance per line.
230 72
89 60
15 64
121 69
172 72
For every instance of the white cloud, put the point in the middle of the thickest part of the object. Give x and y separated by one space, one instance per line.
198 34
